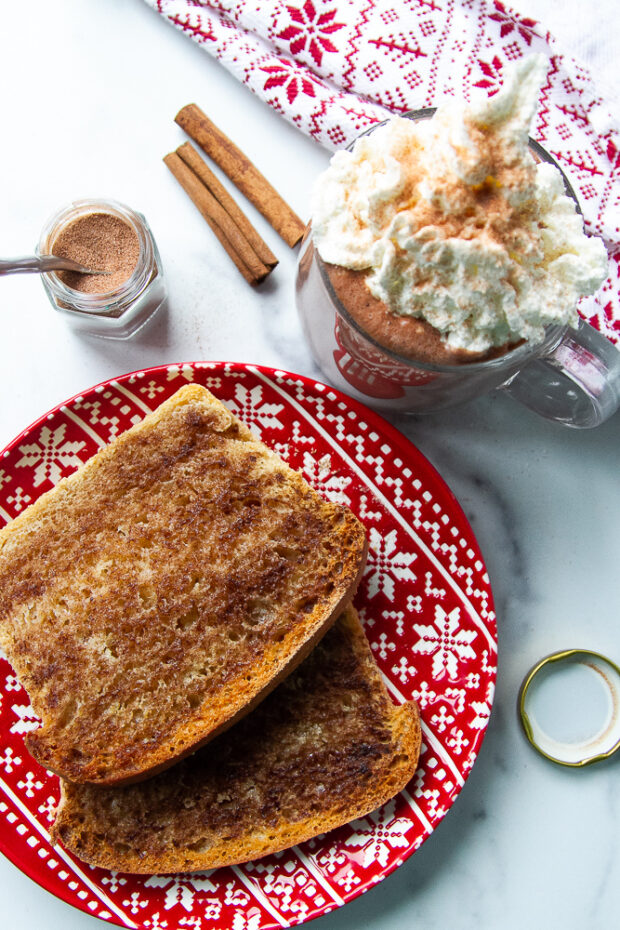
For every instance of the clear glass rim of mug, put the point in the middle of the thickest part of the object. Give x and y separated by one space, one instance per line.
524 351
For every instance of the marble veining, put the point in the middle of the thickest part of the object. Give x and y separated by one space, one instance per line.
527 845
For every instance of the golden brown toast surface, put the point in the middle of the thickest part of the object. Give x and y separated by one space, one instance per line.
326 746
153 597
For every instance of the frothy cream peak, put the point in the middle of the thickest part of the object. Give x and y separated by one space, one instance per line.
455 223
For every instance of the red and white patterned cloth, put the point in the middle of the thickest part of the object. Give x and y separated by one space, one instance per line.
334 68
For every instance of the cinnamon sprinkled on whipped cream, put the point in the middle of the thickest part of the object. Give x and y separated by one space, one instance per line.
456 224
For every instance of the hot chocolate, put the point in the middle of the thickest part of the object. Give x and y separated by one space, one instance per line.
408 336
445 241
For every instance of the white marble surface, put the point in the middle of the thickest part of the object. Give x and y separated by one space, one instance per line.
527 845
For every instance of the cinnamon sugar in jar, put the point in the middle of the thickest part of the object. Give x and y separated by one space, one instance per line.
106 236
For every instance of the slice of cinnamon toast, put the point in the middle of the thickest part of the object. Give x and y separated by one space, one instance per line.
327 746
159 593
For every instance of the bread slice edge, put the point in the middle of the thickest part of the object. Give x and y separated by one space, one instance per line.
399 768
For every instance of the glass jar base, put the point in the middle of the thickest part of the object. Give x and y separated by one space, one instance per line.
113 328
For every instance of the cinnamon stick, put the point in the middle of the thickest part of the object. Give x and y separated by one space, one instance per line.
194 161
242 172
249 264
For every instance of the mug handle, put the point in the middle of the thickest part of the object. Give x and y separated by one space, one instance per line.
576 382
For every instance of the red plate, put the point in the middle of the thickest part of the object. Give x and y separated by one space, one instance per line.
425 601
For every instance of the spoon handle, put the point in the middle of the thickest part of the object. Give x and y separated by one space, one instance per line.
40 264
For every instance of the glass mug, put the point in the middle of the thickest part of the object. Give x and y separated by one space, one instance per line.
572 376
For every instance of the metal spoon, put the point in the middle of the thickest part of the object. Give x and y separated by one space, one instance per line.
43 263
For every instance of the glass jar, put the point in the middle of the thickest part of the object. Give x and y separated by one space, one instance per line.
118 313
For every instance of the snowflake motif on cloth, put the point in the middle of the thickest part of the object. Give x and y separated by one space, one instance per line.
310 31
282 74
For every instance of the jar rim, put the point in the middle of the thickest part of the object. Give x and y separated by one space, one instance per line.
79 301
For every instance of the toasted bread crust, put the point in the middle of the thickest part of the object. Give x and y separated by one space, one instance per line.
155 596
327 747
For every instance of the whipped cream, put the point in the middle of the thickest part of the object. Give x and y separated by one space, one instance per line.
455 223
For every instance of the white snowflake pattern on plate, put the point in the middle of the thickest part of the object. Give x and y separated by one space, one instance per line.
425 603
